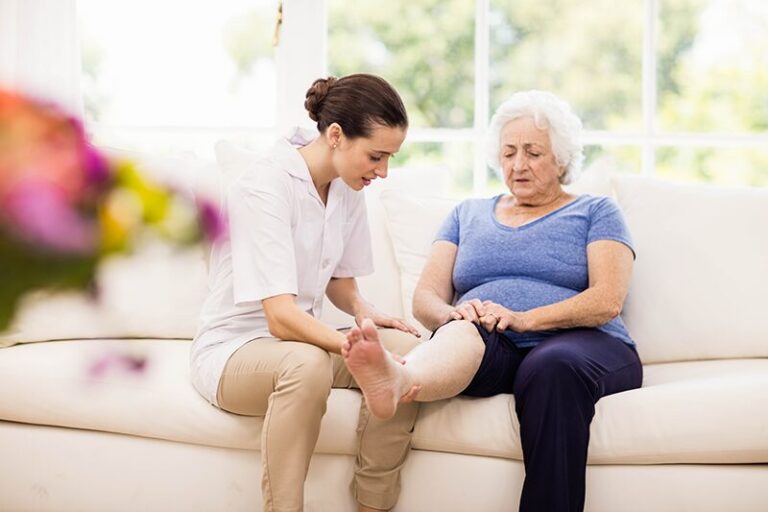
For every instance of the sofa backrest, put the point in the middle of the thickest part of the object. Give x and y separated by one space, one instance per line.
701 273
701 276
697 292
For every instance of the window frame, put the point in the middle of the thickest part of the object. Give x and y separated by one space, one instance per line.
648 140
301 56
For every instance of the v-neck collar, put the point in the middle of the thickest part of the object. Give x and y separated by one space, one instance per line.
534 221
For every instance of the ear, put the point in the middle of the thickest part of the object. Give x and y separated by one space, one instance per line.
334 134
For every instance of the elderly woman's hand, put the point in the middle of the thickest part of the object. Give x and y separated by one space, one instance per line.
471 310
500 318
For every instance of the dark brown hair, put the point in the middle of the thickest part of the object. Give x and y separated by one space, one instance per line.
356 102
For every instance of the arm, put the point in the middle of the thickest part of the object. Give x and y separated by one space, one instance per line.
434 291
610 270
344 294
287 321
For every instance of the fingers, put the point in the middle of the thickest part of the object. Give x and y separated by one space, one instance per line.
400 325
489 321
410 396
479 308
503 324
468 312
396 323
397 358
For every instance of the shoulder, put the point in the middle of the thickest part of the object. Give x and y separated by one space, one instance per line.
266 173
476 205
598 205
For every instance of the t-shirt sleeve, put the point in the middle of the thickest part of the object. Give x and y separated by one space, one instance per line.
607 223
449 231
357 256
263 255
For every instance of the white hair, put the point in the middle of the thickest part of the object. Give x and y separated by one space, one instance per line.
548 112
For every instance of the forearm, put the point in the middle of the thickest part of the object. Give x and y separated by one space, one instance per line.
292 324
345 295
430 309
591 308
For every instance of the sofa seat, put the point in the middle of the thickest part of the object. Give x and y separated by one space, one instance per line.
712 412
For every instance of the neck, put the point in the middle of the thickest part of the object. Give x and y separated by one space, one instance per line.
539 201
318 158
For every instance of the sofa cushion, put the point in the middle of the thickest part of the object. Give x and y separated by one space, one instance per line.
412 222
701 275
82 384
702 412
691 412
155 292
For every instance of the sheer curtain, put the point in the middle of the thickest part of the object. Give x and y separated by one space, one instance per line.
39 50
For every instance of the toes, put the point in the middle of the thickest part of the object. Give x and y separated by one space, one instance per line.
353 336
369 330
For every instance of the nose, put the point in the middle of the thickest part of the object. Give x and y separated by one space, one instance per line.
519 162
382 170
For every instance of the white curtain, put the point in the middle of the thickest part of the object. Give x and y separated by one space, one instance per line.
39 50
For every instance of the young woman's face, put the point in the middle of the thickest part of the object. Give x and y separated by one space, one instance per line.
360 161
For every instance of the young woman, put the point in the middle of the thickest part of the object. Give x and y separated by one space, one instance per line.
298 231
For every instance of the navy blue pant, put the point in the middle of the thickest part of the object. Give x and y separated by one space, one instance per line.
556 385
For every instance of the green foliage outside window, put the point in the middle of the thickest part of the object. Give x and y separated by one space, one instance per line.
587 51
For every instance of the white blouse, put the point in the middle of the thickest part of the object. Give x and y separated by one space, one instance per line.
282 240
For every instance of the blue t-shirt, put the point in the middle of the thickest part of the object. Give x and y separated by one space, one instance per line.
539 263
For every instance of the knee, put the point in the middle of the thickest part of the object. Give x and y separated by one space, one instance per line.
465 331
307 372
552 368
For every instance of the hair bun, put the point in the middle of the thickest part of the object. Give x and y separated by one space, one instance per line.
316 96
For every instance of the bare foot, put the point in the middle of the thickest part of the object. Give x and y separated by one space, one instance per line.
381 378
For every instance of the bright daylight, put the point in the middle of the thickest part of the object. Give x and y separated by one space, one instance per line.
363 256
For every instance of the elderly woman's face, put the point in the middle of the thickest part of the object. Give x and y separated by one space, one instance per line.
528 164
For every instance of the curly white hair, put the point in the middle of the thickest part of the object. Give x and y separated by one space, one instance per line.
550 112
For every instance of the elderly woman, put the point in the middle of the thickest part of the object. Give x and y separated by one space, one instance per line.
523 292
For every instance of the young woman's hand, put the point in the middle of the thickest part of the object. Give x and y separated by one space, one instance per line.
384 320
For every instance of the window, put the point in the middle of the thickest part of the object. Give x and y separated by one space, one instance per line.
674 88
178 75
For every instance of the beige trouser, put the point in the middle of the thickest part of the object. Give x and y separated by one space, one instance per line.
288 383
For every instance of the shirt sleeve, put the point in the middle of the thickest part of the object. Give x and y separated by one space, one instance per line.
607 223
449 231
263 255
357 256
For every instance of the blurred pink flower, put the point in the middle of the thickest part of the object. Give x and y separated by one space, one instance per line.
211 220
115 361
39 213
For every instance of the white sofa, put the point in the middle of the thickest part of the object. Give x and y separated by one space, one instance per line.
76 436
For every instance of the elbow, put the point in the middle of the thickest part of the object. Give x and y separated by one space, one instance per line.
612 309
276 325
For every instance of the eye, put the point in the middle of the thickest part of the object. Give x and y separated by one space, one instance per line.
534 154
375 158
